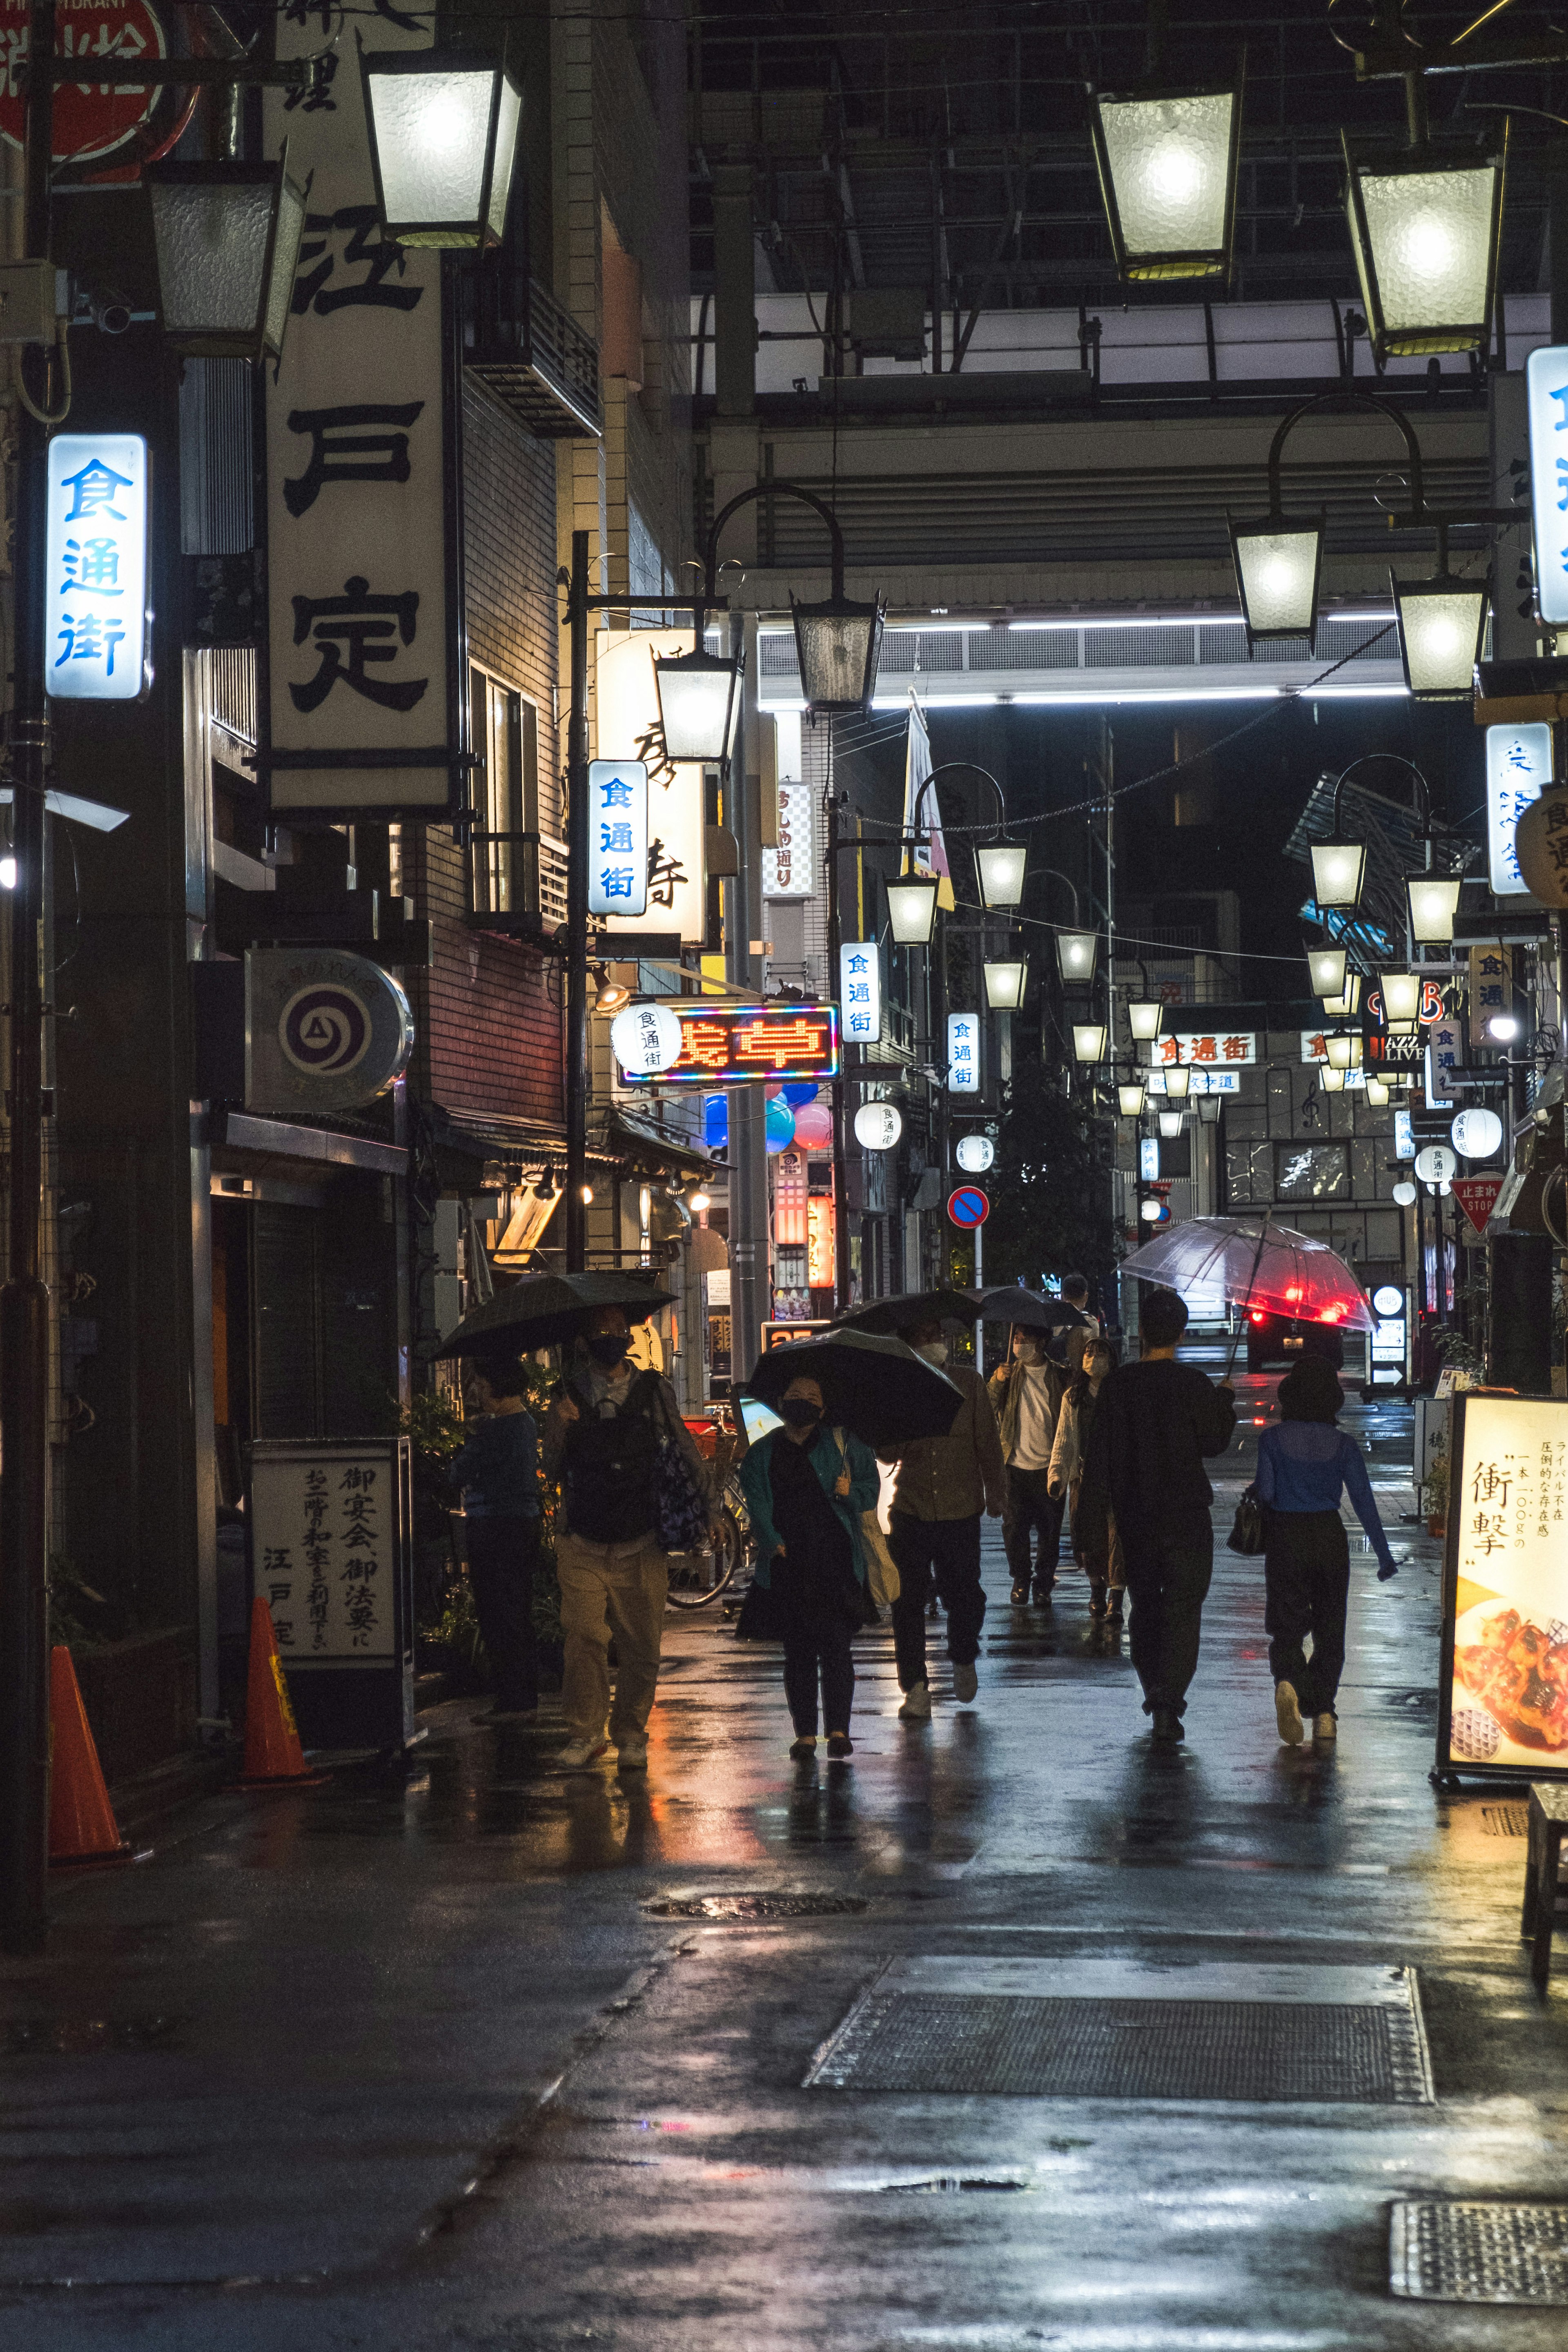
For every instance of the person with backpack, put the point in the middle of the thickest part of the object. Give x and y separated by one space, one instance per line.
805 1487
497 1468
1303 1466
614 1439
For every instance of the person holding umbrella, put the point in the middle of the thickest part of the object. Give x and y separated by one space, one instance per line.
805 1487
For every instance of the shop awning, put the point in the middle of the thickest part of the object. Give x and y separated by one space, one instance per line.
629 1136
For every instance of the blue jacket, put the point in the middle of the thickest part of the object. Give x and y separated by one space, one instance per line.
1301 1466
498 1468
756 1477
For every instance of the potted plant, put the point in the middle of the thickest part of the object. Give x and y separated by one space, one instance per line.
1435 1493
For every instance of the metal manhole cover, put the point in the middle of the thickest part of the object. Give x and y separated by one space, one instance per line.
1449 2250
1506 1821
1270 2034
754 1906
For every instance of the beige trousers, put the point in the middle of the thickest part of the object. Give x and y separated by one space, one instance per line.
606 1589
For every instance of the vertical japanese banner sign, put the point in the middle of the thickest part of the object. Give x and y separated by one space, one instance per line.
1546 397
1503 1698
1492 990
962 1054
1445 1052
361 709
95 638
917 768
860 993
1519 769
627 727
617 836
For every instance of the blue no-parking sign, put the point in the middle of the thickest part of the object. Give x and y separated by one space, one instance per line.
968 1207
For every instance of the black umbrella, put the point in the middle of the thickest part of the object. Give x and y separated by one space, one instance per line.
1027 1309
910 1307
546 1309
876 1388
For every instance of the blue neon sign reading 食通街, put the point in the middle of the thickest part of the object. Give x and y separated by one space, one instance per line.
1546 398
617 836
95 638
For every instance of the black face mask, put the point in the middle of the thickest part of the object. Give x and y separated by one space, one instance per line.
800 1412
606 1350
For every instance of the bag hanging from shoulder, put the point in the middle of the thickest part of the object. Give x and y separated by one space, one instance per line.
883 1585
761 1618
1250 1533
680 1513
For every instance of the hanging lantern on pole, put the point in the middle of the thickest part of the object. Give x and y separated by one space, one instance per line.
1167 165
1424 229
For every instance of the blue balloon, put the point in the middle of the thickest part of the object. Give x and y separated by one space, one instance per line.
715 1121
781 1125
798 1096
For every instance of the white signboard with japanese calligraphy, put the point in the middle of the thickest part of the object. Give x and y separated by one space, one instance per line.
1519 769
1546 394
617 836
1199 1082
1503 1703
859 993
626 727
361 708
787 871
962 1054
95 636
1445 1054
327 1538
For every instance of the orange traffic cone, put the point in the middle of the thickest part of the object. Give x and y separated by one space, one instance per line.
272 1749
82 1827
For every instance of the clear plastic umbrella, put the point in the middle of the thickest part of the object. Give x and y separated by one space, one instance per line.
1250 1262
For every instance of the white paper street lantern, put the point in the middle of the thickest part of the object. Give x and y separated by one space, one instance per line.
1477 1134
1437 1164
646 1038
877 1126
1404 1193
975 1153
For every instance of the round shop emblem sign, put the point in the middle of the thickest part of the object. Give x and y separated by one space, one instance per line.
324 1030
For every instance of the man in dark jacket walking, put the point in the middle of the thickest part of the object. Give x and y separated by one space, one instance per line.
1156 1421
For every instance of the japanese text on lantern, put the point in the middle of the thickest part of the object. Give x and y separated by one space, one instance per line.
95 642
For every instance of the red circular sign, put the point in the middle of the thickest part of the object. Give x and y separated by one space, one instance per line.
90 120
968 1207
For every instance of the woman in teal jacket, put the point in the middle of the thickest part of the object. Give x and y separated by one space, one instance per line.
805 1495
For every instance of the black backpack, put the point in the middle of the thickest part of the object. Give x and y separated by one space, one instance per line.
611 1464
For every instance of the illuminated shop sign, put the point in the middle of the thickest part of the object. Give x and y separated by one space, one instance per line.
731 1045
95 648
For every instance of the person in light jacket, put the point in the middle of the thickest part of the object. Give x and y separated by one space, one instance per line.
805 1488
942 1486
1098 1549
1027 1395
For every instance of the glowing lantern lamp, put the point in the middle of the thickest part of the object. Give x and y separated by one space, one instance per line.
696 703
443 140
1441 623
1327 968
1276 566
1377 1093
1144 1020
1167 166
227 242
1332 1080
1171 1124
1434 902
1424 229
1089 1041
911 909
1401 999
1001 866
1178 1081
1344 1052
1339 870
1004 985
1131 1100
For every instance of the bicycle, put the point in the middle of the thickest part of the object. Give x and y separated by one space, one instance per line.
697 1578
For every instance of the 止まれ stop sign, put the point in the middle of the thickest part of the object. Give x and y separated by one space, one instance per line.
91 119
968 1207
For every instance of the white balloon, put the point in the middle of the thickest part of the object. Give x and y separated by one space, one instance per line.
1477 1134
877 1126
1435 1164
646 1038
974 1154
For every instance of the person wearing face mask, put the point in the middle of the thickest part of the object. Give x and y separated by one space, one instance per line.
1096 1547
941 1487
603 1435
1028 1394
805 1487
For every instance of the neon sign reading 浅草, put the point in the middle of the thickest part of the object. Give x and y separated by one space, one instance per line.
729 1044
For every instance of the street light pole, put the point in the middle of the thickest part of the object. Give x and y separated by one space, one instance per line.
24 1301
841 1275
577 910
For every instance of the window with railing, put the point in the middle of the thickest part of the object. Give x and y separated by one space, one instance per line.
505 733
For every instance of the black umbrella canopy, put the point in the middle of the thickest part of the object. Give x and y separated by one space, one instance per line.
1027 1309
910 1307
876 1388
543 1309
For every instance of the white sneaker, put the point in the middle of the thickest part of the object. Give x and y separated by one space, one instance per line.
916 1707
1324 1726
580 1752
966 1683
632 1756
1288 1714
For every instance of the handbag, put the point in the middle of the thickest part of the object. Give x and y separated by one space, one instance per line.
1248 1535
680 1514
760 1618
883 1584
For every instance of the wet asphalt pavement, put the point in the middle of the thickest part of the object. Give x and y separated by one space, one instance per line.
478 2060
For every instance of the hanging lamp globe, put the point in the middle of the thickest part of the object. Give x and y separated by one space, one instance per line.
1347 1004
696 704
1171 1123
1130 1098
1401 996
1377 1093
1167 166
1004 981
1001 867
1178 1082
1425 228
1077 954
1278 563
1339 871
1441 621
1326 967
1144 1018
1434 901
226 237
838 644
1089 1041
443 127
912 908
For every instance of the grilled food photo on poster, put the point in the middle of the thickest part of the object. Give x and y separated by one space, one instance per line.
1508 1490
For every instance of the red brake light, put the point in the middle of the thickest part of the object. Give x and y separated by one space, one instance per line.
1257 1314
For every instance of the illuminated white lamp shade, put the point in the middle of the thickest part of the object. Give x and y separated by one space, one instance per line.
911 909
1209 1108
1178 1082
1004 985
1326 967
1075 955
443 142
877 1126
1001 866
646 1038
1089 1041
1404 1193
226 237
1440 626
1277 567
1150 1210
1339 869
1331 1079
1424 234
696 696
1437 1164
1401 997
974 1154
1434 902
1377 1093
1503 1028
1144 1020
1130 1100
1171 1124
1167 176
1347 1004
839 645
1477 1134
1344 1052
